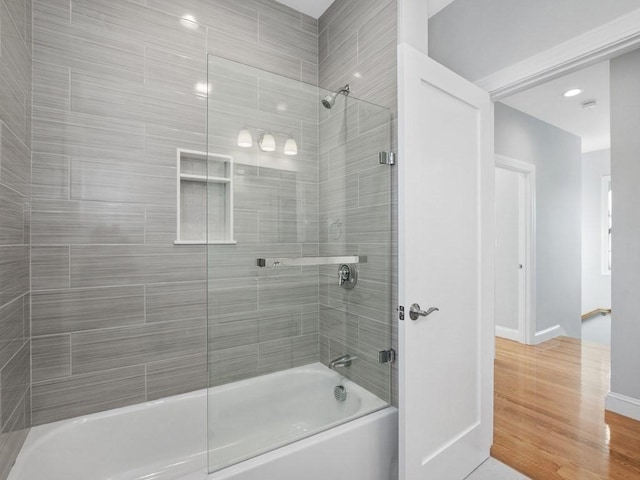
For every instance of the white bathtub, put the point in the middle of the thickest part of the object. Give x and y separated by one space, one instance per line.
167 439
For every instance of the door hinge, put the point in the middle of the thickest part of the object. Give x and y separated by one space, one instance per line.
387 158
400 312
387 356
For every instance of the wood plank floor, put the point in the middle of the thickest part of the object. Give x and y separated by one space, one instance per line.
550 421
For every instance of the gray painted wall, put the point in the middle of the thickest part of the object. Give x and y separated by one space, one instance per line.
557 157
475 39
596 288
15 197
625 175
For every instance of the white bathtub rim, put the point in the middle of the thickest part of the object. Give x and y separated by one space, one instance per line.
228 473
41 433
326 429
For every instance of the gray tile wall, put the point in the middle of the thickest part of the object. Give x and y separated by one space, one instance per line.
119 312
357 45
260 319
15 198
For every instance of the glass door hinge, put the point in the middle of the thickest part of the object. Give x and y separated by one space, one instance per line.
387 356
387 158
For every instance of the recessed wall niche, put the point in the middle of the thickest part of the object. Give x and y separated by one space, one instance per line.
205 198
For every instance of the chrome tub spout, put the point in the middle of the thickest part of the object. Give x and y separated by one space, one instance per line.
343 361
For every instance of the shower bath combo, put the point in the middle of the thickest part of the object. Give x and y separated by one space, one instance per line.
299 258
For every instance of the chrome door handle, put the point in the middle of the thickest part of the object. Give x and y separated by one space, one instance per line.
415 311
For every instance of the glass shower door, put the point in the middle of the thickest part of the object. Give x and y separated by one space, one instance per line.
297 196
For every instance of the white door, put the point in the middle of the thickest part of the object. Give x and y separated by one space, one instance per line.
446 235
510 254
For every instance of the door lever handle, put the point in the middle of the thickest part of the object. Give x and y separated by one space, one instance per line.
415 311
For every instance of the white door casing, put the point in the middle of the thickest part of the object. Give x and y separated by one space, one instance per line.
446 260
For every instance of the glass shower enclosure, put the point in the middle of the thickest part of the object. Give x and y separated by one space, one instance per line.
298 231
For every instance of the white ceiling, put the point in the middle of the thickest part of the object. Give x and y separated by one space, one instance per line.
316 8
313 8
547 103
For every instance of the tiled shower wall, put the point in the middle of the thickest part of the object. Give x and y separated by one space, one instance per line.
358 45
15 179
119 312
264 319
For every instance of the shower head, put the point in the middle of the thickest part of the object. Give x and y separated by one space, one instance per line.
330 100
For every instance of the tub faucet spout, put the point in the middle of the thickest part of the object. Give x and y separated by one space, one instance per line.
343 361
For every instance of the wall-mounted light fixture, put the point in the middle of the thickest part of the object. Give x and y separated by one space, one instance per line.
267 140
244 138
290 147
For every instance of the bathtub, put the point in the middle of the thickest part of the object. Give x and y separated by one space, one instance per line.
253 427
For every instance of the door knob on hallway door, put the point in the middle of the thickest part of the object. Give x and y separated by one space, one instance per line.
415 311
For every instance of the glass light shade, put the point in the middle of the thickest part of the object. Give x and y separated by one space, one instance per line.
244 138
290 147
267 143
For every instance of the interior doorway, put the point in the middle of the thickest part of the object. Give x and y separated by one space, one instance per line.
515 241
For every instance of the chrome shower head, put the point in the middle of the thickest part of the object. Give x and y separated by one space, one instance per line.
330 100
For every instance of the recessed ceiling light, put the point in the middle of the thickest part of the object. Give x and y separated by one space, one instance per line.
573 92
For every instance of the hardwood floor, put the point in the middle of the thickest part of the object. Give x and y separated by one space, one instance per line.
550 421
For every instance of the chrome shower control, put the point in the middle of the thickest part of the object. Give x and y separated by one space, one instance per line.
347 276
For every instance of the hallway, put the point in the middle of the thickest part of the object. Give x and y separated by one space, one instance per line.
550 421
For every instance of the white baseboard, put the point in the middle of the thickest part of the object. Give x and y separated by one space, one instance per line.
508 333
547 334
627 406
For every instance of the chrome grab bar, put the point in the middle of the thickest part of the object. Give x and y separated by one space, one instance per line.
310 261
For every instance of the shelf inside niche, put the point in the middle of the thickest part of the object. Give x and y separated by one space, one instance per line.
205 199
